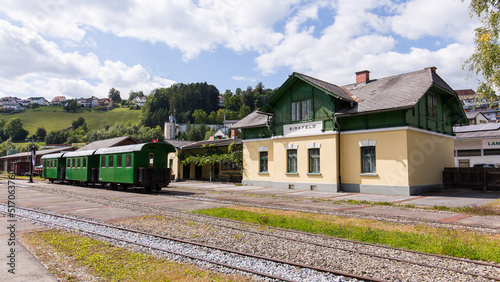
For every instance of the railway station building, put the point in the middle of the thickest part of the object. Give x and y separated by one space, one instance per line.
391 135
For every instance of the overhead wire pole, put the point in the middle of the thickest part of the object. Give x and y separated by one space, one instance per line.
32 156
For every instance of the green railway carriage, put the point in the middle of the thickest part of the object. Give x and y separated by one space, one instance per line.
81 166
142 165
54 166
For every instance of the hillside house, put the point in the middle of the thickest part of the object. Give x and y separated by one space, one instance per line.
38 100
391 135
58 100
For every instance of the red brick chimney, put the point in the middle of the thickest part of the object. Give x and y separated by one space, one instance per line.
362 76
234 132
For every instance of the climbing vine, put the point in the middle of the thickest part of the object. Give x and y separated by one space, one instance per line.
214 156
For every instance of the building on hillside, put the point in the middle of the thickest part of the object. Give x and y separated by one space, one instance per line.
9 101
58 100
38 100
476 118
471 105
477 144
14 107
88 102
391 135
105 102
139 101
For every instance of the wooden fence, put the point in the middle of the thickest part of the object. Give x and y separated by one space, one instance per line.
480 178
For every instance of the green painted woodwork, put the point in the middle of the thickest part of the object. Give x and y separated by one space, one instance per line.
51 166
75 169
140 158
323 106
256 133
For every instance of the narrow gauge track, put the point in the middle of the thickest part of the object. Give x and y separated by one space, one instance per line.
231 259
423 259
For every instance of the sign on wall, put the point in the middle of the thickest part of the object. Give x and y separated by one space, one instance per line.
491 144
306 128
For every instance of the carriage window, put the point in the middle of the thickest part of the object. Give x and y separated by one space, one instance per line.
111 161
128 160
78 163
151 159
119 161
84 162
73 164
69 163
103 161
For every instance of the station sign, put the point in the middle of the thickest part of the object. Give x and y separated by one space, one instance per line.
491 144
300 129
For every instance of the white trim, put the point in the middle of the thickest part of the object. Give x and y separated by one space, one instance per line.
256 140
395 129
314 145
367 143
263 149
291 146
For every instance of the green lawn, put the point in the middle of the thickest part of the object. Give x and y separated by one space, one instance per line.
55 118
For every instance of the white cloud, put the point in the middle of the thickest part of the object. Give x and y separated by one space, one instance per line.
33 66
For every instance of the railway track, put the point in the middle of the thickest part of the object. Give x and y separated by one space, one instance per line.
256 265
467 269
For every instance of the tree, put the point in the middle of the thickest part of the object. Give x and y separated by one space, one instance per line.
200 116
134 94
114 95
77 123
71 106
14 129
35 106
41 133
244 111
485 61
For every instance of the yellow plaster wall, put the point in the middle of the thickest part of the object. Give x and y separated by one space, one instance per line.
391 158
175 163
428 155
251 160
277 160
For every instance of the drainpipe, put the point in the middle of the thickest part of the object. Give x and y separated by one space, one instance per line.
339 178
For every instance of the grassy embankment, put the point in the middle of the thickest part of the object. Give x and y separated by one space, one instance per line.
55 118
66 254
422 238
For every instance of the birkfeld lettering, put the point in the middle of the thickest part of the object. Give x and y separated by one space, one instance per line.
497 143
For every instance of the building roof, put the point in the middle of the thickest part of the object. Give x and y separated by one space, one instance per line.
465 92
118 141
395 92
215 143
179 143
486 130
254 119
131 148
38 153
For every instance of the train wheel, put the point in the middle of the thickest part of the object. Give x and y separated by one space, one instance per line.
157 188
113 186
148 189
124 186
51 180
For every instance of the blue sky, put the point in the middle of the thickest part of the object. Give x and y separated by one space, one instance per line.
83 48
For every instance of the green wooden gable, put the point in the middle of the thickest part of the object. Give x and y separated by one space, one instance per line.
414 99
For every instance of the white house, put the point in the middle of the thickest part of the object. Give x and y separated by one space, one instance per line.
38 100
139 101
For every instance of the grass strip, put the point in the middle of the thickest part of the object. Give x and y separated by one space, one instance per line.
111 263
456 243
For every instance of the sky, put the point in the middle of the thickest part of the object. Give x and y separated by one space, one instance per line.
82 48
